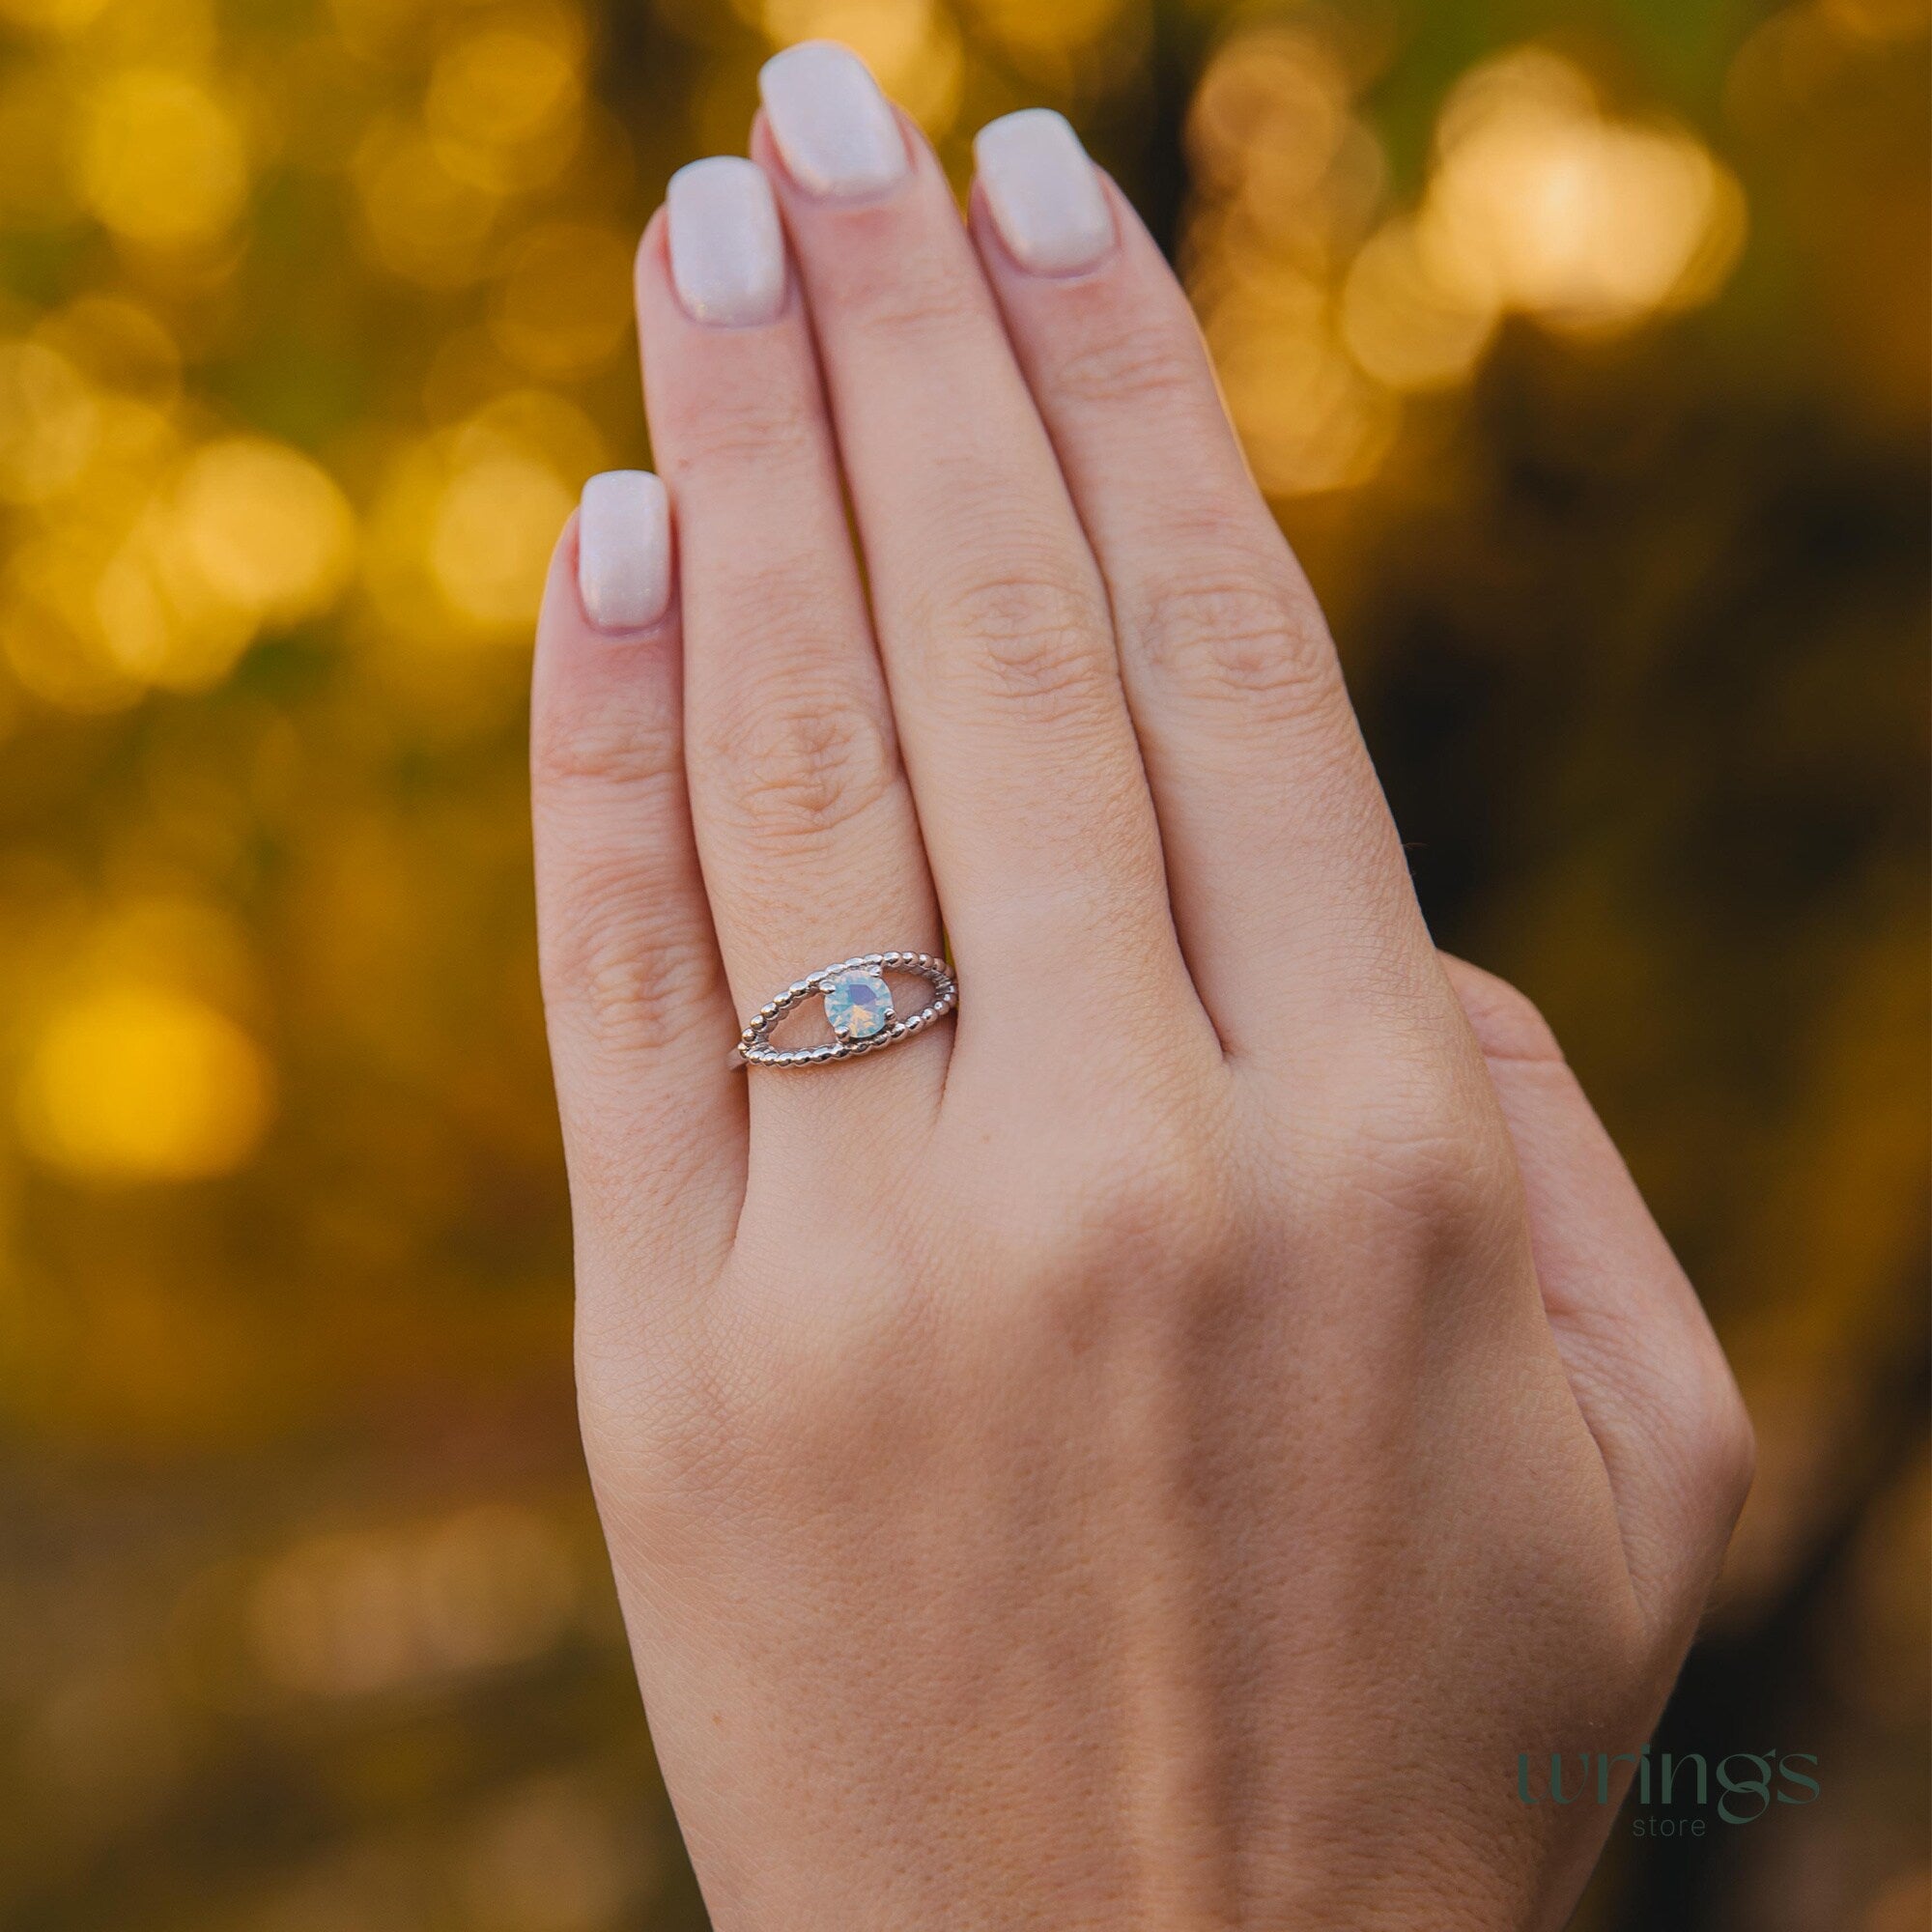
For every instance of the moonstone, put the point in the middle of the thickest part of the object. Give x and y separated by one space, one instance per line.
858 1005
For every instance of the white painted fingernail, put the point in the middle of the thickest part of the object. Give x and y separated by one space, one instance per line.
1043 191
623 550
835 128
727 250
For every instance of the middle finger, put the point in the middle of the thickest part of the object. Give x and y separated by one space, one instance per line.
991 614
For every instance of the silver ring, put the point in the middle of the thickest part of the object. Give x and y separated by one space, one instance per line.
858 1008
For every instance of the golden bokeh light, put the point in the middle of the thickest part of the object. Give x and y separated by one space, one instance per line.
371 30
143 1083
49 423
1537 202
1520 83
352 1613
1268 116
174 562
119 345
156 618
1309 419
49 659
169 937
553 1856
1400 323
85 618
1025 29
502 108
1542 204
161 160
1879 20
264 527
459 537
51 17
37 190
1287 174
422 221
497 86
563 306
491 540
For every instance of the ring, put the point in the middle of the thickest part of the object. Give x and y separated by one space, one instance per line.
858 1008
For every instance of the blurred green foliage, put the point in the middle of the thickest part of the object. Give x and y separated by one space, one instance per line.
1582 346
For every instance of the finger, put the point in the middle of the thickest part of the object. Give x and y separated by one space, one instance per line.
991 614
1648 1373
804 822
1288 880
634 992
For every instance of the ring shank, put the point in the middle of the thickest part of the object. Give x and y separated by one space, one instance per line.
754 1047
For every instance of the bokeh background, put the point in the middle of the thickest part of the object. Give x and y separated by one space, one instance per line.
1582 348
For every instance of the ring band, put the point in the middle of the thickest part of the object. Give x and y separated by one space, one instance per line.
858 1008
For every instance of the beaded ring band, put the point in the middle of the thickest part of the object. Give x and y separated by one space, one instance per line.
858 1008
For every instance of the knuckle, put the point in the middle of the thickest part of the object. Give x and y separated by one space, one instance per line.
627 971
1239 635
1412 1138
803 765
1135 362
1506 1021
1032 639
813 1396
691 1432
909 303
1722 1442
1422 1171
618 745
758 596
1135 1222
734 425
1151 1202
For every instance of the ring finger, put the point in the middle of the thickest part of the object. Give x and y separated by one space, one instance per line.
805 824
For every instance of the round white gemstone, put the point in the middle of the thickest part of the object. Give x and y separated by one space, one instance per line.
858 1005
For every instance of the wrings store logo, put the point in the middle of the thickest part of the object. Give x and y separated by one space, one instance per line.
1746 1785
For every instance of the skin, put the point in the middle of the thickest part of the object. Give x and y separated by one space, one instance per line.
1150 1452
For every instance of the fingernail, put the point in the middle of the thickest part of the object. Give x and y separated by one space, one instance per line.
1043 191
727 252
833 125
623 550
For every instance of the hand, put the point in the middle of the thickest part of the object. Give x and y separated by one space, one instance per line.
1152 1451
